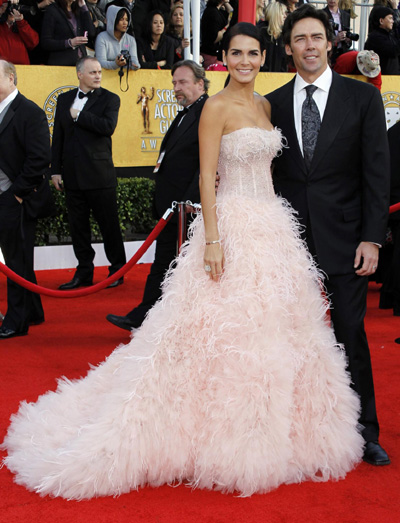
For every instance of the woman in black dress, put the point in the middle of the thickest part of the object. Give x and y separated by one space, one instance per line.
155 49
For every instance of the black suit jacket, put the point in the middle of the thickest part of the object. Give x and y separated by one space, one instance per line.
81 150
394 147
178 176
24 145
344 197
57 28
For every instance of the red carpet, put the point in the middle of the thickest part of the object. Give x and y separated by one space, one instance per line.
76 333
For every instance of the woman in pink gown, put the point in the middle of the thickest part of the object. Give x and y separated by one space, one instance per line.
234 381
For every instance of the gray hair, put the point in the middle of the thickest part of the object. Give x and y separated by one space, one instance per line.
9 69
197 70
80 64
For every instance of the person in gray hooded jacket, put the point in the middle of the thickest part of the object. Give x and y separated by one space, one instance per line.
110 44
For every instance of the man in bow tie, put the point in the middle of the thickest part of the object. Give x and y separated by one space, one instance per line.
82 161
335 174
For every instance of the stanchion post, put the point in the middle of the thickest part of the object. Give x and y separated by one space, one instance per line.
181 225
186 27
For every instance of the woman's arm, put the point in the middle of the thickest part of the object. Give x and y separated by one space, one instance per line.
210 133
134 63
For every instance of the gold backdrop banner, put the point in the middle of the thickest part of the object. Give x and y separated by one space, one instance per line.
137 139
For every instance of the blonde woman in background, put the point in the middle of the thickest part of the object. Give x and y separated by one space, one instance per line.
271 33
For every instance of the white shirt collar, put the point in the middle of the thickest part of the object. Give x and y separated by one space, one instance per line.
323 81
10 98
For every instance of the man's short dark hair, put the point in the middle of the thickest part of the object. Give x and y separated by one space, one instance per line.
306 11
197 70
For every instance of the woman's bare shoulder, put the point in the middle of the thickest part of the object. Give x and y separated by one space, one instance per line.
264 105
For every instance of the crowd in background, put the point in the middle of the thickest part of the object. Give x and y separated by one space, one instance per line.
149 33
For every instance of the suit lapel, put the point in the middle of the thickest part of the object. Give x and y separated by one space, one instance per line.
175 133
187 121
71 27
10 112
285 120
334 116
92 99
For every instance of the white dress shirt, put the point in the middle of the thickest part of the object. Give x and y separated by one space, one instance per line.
320 96
79 103
6 102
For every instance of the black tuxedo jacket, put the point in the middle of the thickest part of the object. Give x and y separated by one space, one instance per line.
24 145
344 197
81 150
178 176
57 28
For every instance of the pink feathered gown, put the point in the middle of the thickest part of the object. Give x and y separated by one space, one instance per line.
237 386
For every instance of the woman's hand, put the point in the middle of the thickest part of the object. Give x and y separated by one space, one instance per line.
161 63
214 261
185 42
120 60
79 40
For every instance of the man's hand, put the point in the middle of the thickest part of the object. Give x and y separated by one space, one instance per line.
216 183
18 198
74 113
369 253
56 180
17 16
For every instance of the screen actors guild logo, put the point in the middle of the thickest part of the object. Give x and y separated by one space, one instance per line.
144 99
391 102
50 105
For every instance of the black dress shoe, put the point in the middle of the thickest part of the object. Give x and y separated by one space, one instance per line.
9 333
115 283
75 283
374 454
123 322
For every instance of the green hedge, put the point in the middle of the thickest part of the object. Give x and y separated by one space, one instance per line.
135 205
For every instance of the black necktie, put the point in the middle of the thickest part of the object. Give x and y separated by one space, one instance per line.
310 124
81 94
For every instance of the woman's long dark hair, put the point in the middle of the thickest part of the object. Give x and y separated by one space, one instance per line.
62 4
147 34
241 29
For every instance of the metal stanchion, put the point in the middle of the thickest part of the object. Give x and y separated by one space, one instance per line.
181 225
184 208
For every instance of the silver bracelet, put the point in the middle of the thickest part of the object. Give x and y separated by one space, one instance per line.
214 241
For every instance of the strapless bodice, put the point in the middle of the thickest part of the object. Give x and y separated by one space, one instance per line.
244 164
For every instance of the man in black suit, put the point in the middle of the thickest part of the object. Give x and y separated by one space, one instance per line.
24 160
82 160
340 189
177 178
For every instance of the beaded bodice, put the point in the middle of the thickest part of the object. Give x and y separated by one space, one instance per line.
245 160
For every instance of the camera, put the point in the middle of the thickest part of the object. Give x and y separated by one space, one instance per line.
125 54
351 36
335 27
23 9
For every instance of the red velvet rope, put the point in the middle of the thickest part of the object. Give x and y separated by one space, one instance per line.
116 276
94 288
394 208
